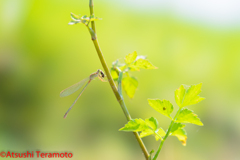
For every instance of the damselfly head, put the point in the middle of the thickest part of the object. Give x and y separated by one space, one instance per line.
102 74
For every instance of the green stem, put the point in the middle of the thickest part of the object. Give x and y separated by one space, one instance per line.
92 13
120 75
167 134
111 82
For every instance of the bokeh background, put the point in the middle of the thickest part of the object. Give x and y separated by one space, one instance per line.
189 41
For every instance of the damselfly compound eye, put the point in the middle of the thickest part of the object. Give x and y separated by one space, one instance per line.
102 74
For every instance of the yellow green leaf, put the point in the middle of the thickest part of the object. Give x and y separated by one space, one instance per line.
181 134
188 95
75 17
130 58
114 74
130 85
144 64
187 116
146 132
152 123
135 125
177 126
162 106
179 95
161 133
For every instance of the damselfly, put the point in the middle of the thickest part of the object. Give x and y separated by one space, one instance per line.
77 86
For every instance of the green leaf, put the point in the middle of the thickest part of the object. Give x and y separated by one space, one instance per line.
146 132
130 85
177 126
130 58
187 116
152 123
179 95
144 64
141 57
191 96
185 96
93 18
161 133
181 134
114 74
122 68
132 67
135 125
85 17
164 107
73 22
75 17
147 128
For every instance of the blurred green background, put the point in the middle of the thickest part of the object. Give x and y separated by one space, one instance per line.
189 42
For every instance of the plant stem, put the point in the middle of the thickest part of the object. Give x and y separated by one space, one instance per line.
92 13
111 82
167 134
